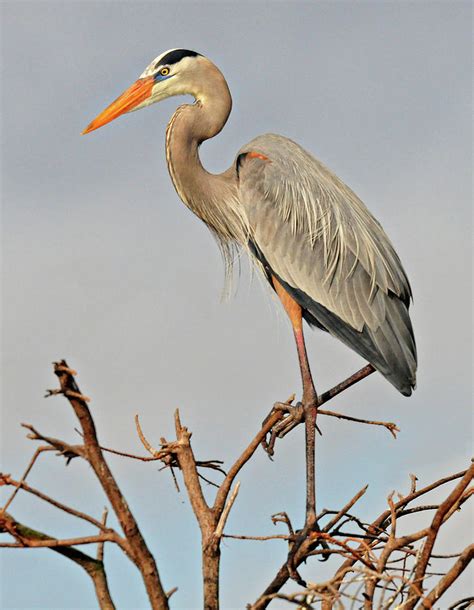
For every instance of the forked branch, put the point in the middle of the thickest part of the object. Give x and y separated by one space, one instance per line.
378 566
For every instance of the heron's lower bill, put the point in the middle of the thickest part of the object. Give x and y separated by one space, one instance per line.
134 95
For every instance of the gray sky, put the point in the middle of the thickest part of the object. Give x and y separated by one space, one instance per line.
104 266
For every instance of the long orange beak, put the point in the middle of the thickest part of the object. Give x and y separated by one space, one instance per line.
134 95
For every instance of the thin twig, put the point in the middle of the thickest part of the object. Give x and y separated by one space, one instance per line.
7 480
225 513
31 463
151 450
390 426
259 538
223 492
328 527
100 546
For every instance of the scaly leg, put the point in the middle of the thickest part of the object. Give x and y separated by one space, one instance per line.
309 401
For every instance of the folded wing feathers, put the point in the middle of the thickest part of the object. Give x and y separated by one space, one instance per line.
319 238
316 204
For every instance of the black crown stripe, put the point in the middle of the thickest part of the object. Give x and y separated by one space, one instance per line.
174 56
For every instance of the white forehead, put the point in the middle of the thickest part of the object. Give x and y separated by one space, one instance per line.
150 69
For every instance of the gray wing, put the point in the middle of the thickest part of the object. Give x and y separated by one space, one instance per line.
318 238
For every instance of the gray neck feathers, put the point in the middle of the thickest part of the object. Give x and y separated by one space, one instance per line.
212 197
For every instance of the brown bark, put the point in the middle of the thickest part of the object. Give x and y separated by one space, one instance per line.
371 560
211 555
138 550
416 589
93 567
448 579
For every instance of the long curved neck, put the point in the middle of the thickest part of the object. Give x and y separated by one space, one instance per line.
189 126
212 197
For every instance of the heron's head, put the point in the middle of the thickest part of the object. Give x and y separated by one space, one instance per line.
176 72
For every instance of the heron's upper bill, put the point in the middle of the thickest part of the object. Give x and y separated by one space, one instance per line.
129 100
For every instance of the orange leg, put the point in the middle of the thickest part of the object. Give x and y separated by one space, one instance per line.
310 398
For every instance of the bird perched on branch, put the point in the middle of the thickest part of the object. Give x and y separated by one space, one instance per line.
325 255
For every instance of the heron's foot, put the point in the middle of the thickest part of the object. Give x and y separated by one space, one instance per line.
304 542
295 415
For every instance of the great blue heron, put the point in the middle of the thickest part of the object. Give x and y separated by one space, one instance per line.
327 258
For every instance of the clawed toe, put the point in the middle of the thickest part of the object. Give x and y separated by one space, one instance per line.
295 416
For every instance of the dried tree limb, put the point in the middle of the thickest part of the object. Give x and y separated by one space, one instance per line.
101 545
211 520
137 547
7 480
259 538
344 510
188 467
283 573
379 524
153 452
325 530
223 492
443 511
390 426
207 518
225 513
447 580
374 534
270 422
347 383
37 453
93 567
51 543
65 449
370 563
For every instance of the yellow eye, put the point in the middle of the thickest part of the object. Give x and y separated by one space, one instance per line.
164 71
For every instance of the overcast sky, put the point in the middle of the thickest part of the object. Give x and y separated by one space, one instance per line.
103 265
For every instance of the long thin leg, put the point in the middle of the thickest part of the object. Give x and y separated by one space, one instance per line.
310 404
310 399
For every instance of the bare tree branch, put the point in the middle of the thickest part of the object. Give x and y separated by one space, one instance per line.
440 515
93 567
31 463
378 567
447 580
373 537
347 383
390 426
5 479
345 509
225 513
138 550
234 470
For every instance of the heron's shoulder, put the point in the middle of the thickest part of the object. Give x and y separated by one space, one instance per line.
274 146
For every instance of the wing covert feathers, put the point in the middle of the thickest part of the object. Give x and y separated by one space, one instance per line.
318 238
